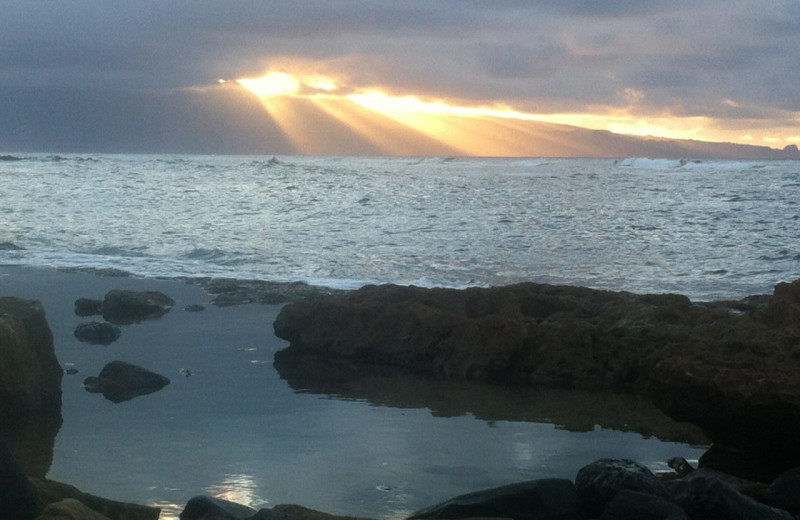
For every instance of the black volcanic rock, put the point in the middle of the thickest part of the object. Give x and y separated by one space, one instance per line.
119 381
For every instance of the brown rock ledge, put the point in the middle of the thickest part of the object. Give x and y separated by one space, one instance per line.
732 368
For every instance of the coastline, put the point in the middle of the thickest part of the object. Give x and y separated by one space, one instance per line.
235 313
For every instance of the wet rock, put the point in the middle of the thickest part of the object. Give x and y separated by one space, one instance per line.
98 333
194 308
119 381
30 375
124 307
295 512
734 374
88 307
52 492
634 505
599 482
532 500
681 466
707 497
18 497
210 508
70 509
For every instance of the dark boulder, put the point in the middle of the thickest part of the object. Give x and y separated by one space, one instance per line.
18 497
124 307
98 333
210 508
784 492
119 381
634 505
30 375
546 499
707 497
599 482
88 307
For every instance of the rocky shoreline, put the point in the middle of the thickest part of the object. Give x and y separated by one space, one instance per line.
729 367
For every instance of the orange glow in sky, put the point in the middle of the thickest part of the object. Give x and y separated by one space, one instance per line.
394 125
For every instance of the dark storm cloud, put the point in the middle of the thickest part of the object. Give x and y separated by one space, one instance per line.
684 56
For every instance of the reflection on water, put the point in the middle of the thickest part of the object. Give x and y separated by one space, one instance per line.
572 410
371 446
241 489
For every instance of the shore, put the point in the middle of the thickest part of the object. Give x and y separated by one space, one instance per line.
229 344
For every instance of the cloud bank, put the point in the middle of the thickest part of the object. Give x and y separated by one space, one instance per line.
77 66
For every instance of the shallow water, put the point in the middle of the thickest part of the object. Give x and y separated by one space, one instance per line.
236 430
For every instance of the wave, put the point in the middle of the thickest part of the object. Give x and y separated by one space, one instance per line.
11 158
654 164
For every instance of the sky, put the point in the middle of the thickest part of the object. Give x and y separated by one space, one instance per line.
380 76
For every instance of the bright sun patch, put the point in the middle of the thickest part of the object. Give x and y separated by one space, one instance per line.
298 103
273 84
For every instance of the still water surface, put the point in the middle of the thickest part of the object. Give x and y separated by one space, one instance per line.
236 430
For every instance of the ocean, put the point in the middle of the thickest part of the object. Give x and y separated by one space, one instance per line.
706 229
376 447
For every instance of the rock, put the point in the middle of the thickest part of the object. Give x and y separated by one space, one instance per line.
194 308
681 466
18 497
30 375
295 512
633 505
119 381
124 307
96 332
70 509
706 497
52 492
599 482
784 492
734 374
759 466
546 499
210 508
88 307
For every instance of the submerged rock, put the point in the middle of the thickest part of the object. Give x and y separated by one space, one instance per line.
100 333
124 307
119 381
88 307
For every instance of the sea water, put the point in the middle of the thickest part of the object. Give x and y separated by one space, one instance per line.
707 229
381 448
